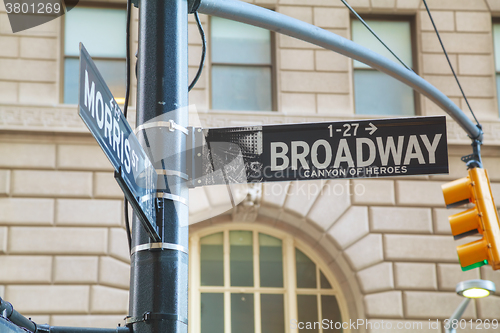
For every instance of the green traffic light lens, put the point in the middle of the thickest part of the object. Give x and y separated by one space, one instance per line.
476 265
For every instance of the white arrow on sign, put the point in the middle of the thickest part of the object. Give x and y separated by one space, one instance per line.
372 128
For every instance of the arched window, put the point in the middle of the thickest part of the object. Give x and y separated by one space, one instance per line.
253 279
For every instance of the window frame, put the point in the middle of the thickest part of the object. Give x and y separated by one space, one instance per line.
289 243
495 21
82 4
412 20
272 65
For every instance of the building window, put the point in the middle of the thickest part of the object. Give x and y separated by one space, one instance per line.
496 43
242 71
376 93
102 32
249 281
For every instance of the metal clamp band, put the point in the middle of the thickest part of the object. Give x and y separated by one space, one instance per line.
149 316
171 125
160 195
159 246
172 173
41 328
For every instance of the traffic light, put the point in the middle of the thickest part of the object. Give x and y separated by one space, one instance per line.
482 219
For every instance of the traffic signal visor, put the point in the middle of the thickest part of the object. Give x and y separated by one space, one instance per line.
482 219
458 192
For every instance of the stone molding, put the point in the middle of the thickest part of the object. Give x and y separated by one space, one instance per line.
65 119
41 118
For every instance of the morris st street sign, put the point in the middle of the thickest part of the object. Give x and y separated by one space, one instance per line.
133 170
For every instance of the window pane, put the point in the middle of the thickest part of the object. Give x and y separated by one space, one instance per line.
241 88
496 40
241 253
272 313
271 261
101 30
238 43
330 310
212 260
377 93
308 312
71 77
113 72
242 320
324 281
306 270
396 35
498 90
212 313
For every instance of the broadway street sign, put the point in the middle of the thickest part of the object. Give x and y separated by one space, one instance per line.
133 171
329 150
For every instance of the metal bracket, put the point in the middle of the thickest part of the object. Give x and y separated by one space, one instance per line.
193 5
150 316
161 195
474 160
41 328
171 125
194 156
172 173
159 246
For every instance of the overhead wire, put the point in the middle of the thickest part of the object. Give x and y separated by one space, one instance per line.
449 63
125 111
375 35
193 83
203 52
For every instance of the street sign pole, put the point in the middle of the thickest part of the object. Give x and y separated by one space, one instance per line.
159 270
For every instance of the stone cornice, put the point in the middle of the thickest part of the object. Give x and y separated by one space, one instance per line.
41 119
65 119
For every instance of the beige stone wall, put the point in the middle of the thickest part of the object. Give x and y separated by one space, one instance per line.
29 71
63 252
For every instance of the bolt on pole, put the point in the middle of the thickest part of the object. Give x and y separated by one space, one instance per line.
159 272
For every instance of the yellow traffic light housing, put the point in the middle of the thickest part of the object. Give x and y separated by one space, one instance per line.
482 219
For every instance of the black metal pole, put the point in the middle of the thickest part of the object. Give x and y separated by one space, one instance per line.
8 311
159 272
18 320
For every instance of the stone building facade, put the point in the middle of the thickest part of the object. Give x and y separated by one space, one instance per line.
384 245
